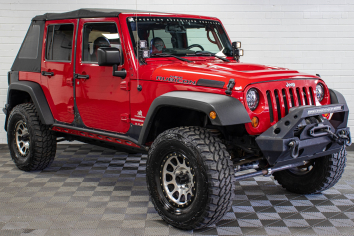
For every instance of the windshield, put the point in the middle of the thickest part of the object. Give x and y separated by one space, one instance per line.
180 36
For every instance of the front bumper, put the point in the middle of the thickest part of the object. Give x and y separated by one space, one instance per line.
296 137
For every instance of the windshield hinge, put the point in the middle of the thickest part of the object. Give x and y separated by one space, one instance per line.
230 86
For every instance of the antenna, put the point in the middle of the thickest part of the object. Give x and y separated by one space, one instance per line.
137 45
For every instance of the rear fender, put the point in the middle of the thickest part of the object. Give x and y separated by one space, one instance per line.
37 96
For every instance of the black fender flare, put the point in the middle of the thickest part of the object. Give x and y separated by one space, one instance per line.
341 117
37 96
229 110
337 97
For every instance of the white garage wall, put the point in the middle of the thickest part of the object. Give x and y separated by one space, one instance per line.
314 36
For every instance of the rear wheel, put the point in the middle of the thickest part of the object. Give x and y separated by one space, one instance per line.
32 145
316 176
190 177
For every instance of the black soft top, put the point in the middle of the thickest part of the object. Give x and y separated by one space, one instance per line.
29 56
83 13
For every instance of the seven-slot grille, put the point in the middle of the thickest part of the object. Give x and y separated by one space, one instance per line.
281 100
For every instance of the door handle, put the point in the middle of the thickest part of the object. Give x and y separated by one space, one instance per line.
78 76
46 73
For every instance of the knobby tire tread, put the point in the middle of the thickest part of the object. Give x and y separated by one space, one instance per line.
219 169
44 139
334 168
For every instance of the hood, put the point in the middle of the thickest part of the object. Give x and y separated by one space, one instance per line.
243 73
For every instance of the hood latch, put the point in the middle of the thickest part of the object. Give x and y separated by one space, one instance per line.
230 86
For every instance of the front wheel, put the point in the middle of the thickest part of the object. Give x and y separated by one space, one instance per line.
316 176
190 177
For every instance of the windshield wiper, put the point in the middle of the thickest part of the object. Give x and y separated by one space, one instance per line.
211 54
170 55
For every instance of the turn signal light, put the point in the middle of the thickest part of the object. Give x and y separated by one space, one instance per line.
255 122
326 115
212 115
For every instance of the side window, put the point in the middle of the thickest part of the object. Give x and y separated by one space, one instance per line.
96 35
59 42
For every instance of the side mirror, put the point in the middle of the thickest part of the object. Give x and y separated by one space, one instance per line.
108 56
237 51
236 44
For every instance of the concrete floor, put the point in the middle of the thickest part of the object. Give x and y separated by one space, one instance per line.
90 190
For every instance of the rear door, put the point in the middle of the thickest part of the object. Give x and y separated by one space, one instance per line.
57 68
101 98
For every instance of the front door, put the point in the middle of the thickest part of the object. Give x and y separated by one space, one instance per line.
101 98
57 68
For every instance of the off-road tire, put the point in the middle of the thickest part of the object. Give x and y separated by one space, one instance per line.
42 140
326 172
214 176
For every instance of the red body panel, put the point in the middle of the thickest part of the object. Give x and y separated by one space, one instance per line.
58 89
140 102
30 76
207 68
111 103
100 99
245 75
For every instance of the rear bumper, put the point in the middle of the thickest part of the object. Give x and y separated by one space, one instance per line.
295 139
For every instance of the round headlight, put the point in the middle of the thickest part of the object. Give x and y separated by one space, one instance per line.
319 92
252 99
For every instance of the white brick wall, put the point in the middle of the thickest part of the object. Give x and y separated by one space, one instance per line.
313 36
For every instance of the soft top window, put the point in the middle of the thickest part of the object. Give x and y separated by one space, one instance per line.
29 49
59 42
96 35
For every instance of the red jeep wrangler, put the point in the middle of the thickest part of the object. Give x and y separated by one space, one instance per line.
172 86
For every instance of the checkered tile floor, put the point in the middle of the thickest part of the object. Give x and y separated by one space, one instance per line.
90 190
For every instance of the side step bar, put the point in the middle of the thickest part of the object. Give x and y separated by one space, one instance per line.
118 139
268 172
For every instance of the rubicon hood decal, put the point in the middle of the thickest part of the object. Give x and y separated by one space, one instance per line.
176 79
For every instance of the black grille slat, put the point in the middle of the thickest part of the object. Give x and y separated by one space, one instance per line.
292 97
312 97
285 102
270 107
278 103
305 95
288 100
298 96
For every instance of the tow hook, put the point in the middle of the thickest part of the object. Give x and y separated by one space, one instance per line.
294 148
343 137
